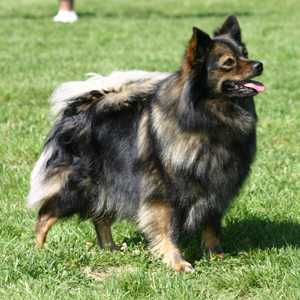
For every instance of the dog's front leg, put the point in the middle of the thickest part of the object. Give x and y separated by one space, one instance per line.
155 221
211 236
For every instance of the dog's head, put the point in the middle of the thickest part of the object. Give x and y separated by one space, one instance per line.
221 63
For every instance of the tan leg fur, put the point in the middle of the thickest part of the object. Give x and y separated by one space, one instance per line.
155 221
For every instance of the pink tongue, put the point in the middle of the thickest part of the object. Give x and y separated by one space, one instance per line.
258 87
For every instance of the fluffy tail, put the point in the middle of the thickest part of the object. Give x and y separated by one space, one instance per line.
68 91
70 102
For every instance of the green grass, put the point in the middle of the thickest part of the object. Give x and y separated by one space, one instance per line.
261 231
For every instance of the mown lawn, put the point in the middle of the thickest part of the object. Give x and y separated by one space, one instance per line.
261 231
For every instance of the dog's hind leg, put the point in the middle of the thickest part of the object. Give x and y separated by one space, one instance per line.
47 217
155 220
104 235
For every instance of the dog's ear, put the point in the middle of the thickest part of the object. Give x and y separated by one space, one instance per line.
197 47
232 27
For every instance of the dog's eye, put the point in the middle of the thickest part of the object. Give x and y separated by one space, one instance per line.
229 62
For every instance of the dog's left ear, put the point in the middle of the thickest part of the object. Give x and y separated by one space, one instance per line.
197 47
232 27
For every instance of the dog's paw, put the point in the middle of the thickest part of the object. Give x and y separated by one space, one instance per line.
114 247
216 252
176 262
183 266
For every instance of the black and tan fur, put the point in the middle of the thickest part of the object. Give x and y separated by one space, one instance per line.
170 154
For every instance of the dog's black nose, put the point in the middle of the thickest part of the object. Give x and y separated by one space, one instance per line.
257 67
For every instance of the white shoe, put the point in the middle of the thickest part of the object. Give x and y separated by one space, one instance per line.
66 16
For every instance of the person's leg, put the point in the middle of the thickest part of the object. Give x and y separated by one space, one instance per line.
66 13
67 5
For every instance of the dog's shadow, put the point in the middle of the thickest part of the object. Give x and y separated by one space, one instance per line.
241 236
249 234
253 233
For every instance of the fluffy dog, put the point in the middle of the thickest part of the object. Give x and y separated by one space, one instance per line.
168 150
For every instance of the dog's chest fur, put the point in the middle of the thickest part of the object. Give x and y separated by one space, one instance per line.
205 170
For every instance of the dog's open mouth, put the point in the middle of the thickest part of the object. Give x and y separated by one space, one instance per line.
242 88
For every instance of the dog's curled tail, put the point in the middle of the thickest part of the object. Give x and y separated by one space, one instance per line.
114 84
71 133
